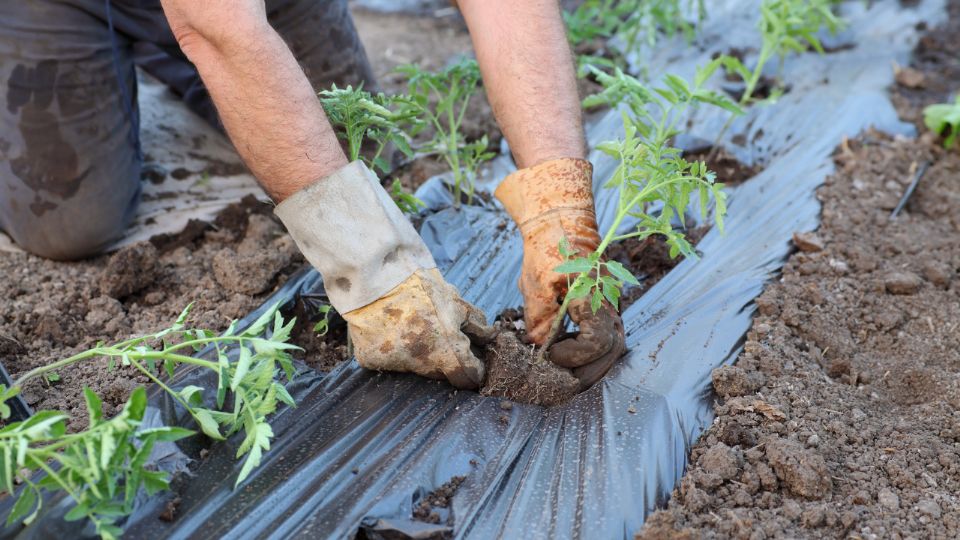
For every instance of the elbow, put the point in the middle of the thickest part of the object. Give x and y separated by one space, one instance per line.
197 40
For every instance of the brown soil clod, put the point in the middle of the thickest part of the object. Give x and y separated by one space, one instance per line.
129 270
436 504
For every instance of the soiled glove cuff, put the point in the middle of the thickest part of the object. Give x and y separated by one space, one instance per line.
558 184
350 230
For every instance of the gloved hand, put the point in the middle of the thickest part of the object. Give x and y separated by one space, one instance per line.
550 201
378 273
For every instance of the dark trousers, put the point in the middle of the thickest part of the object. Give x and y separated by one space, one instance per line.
69 141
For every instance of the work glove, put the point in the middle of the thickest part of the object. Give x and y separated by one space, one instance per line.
379 275
551 201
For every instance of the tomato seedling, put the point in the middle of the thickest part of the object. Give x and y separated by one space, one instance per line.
626 25
650 171
102 467
358 117
443 98
786 26
944 120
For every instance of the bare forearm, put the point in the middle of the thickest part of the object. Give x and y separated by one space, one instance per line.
267 105
529 76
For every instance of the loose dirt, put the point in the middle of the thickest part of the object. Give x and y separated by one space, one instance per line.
840 417
55 310
435 506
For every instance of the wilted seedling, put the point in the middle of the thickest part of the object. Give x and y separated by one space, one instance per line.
650 171
944 120
359 117
443 99
104 466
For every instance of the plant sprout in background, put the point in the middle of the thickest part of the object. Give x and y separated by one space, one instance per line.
786 26
442 99
944 120
104 466
650 171
359 118
627 25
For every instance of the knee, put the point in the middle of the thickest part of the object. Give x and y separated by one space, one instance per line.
71 229
67 236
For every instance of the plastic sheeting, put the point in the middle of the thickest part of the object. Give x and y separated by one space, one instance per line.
363 448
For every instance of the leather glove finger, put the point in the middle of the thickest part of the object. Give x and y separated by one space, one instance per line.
598 345
475 326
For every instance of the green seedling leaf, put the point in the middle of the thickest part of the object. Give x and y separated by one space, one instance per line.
575 266
620 272
207 424
944 119
26 507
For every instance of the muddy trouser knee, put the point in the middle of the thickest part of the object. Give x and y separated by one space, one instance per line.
69 166
69 157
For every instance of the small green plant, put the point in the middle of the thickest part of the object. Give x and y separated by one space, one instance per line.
786 26
102 467
650 171
359 117
944 120
443 98
626 25
323 325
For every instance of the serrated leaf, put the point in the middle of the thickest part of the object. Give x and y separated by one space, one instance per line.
167 433
596 300
243 366
621 272
94 405
612 294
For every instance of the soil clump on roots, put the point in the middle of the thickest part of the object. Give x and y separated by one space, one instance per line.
515 372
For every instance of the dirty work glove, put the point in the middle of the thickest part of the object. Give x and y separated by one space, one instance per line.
548 202
378 273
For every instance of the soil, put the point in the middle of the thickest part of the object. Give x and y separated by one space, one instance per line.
730 171
57 309
840 417
649 260
933 75
435 507
515 373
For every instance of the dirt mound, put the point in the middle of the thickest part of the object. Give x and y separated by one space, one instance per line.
844 403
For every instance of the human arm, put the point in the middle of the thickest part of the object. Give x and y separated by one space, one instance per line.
377 272
266 104
529 77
